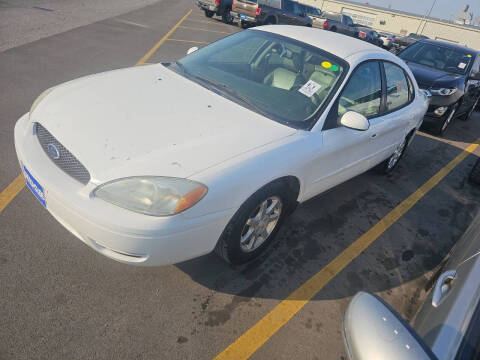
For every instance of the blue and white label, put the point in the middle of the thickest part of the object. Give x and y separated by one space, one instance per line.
242 16
35 187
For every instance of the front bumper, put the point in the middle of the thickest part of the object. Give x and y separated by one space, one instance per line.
207 6
243 17
117 233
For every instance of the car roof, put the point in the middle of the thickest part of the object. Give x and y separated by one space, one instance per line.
337 44
449 45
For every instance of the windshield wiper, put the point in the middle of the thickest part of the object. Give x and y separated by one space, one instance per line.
224 88
182 67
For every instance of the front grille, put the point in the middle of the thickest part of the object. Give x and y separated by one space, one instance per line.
61 156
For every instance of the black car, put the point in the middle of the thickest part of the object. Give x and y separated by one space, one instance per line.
368 34
451 73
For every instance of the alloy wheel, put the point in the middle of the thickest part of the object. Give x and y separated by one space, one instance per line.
397 154
261 224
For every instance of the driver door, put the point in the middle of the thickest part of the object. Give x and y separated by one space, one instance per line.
345 152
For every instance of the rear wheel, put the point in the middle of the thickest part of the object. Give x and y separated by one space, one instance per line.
270 21
243 24
255 224
209 13
388 165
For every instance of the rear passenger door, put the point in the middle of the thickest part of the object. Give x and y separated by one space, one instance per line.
391 127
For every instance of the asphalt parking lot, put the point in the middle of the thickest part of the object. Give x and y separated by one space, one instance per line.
61 300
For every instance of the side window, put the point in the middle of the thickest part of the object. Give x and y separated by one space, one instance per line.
397 86
411 88
288 5
298 9
476 65
348 21
363 93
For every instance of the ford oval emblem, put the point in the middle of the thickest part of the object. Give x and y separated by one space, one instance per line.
53 151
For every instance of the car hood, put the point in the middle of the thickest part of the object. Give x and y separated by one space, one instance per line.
428 77
150 120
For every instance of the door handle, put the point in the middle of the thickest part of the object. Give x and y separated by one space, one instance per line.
442 286
373 136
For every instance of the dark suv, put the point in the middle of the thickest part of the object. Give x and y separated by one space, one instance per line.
266 12
451 73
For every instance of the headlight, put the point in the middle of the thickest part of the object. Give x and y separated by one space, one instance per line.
40 98
152 195
443 91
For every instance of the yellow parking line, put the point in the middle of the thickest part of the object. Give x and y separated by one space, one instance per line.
207 30
190 41
258 334
208 22
12 190
163 39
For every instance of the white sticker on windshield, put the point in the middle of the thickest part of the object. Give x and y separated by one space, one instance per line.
462 65
310 88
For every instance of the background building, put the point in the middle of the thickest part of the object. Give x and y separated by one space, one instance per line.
403 23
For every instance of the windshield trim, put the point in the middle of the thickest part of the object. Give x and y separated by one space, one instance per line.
306 124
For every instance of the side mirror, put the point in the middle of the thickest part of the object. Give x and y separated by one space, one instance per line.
373 330
191 50
475 76
355 121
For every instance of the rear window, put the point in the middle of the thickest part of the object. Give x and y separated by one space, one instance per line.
335 17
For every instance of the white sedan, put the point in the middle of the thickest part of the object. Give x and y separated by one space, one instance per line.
157 164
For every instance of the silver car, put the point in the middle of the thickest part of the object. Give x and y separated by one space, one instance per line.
447 325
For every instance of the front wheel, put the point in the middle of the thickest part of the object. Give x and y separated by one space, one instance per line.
255 224
209 13
446 120
388 165
470 112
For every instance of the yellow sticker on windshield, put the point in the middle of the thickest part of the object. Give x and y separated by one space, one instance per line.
469 55
327 64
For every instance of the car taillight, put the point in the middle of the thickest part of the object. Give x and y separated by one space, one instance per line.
258 11
362 34
325 24
233 4
217 2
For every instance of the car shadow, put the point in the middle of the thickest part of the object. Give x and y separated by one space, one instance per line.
323 227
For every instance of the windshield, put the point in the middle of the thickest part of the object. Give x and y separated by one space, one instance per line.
281 78
438 57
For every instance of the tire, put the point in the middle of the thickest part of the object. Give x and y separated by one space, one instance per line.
209 13
243 24
270 21
474 176
387 166
334 29
469 113
445 121
226 17
230 246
